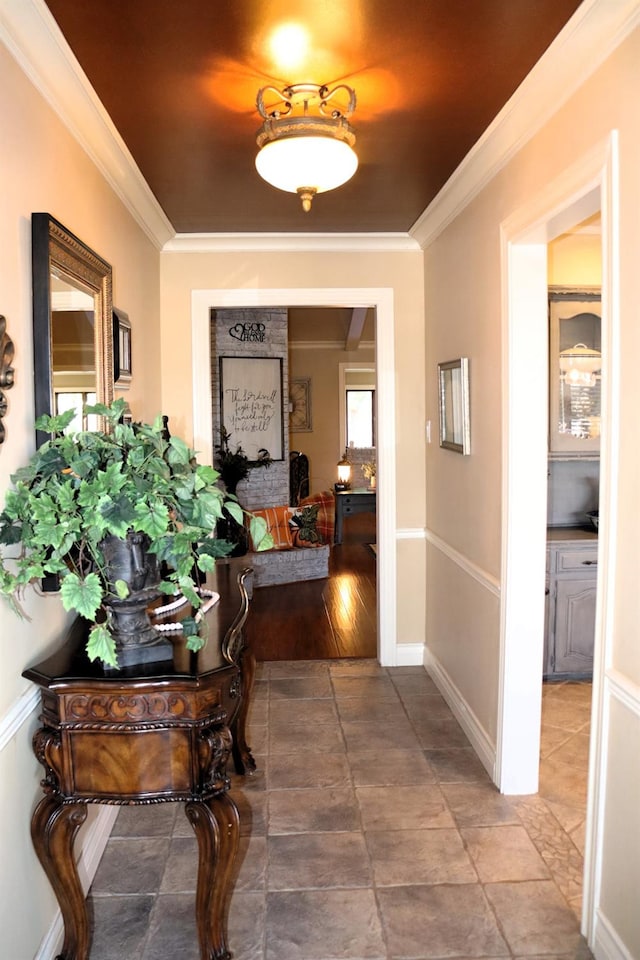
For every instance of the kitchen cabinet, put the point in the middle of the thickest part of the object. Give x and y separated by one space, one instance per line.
574 373
570 605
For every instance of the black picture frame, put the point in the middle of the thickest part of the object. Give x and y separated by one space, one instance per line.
122 366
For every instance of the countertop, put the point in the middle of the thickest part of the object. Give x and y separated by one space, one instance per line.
562 534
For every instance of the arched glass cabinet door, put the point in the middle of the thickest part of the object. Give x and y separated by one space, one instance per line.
72 322
575 362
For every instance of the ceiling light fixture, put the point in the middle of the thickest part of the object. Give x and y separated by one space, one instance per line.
306 140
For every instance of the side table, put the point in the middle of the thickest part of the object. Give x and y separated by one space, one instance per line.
147 734
350 502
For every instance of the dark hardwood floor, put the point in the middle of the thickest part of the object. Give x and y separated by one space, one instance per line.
322 619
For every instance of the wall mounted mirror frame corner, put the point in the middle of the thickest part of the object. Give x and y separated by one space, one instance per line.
72 318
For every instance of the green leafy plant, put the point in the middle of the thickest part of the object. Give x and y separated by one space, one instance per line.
234 465
306 522
80 488
369 469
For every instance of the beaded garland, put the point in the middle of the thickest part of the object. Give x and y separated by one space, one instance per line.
212 599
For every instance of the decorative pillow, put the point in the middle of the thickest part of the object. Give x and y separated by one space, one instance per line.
326 513
277 520
304 526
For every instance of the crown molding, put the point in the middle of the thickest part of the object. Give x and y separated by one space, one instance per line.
30 33
329 345
590 36
291 243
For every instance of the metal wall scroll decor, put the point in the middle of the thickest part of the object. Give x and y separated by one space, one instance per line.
248 332
6 371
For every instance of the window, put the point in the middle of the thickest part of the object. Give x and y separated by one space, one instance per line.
361 406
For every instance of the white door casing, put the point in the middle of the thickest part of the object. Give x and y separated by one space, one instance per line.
589 185
381 300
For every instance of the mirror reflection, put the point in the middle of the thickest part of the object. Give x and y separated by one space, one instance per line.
73 352
72 323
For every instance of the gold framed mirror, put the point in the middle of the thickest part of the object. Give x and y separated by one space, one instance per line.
72 323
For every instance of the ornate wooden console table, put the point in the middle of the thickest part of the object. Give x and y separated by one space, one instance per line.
161 731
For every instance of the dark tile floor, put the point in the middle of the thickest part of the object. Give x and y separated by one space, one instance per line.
370 831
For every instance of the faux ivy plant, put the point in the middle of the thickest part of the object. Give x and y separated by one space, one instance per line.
79 488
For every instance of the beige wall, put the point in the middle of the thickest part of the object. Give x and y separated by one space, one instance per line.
463 283
43 169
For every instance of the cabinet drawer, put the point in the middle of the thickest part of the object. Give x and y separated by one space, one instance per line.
573 560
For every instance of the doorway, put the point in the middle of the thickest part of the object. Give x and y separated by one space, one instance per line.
575 278
381 300
583 189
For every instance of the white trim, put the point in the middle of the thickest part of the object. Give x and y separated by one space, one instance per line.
95 841
524 309
34 39
381 299
17 714
624 690
485 579
607 945
411 533
292 243
591 182
330 345
410 655
476 734
51 943
591 35
94 844
608 182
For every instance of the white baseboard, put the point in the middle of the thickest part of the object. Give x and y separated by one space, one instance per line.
409 654
474 730
607 944
52 942
95 840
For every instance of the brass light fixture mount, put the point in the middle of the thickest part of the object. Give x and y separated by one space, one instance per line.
306 141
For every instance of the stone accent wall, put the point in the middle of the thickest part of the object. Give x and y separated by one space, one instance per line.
264 487
286 566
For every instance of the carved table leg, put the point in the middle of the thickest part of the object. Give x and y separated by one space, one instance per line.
243 761
54 826
217 827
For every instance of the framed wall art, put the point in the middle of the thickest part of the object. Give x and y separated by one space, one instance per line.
121 348
251 404
300 405
453 397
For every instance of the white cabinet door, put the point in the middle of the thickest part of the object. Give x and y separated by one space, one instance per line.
575 617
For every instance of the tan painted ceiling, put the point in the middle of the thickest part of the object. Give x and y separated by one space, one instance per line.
179 79
333 325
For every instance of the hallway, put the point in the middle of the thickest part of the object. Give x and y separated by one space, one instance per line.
369 831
